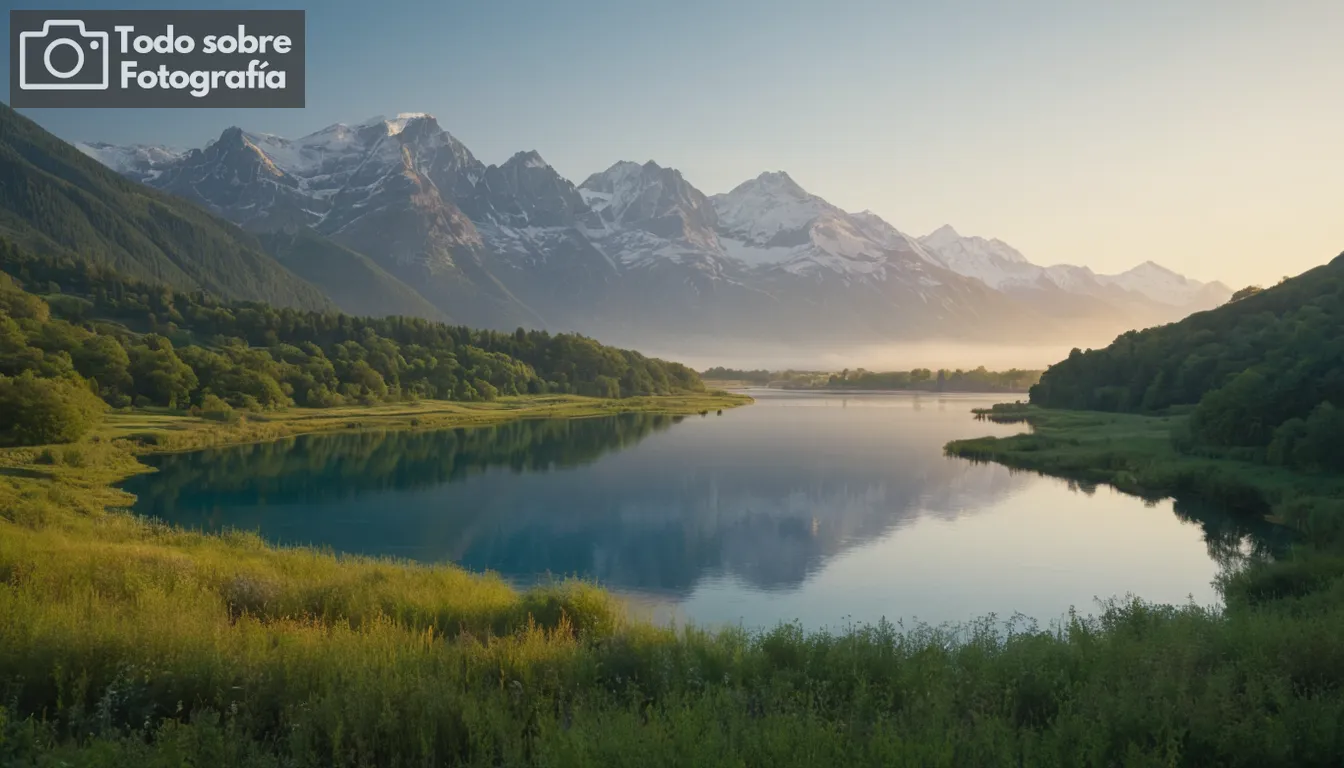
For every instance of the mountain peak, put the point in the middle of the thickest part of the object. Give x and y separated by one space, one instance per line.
1163 285
1153 268
942 238
771 185
529 159
782 181
945 231
405 119
233 135
393 125
625 170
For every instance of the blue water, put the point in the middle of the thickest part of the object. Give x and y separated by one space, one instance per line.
821 508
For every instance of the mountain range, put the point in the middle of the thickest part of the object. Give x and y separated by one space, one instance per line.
397 216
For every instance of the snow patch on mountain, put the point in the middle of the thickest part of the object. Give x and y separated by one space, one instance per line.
660 203
397 124
771 221
992 261
759 210
756 255
307 155
138 160
595 200
615 190
890 237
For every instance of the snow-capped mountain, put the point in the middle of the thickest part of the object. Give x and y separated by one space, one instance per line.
993 262
771 221
138 161
1003 267
1162 285
651 199
635 250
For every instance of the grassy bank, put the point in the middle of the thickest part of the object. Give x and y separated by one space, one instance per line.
128 643
1138 455
163 430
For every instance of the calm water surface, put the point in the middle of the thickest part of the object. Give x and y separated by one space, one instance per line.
822 508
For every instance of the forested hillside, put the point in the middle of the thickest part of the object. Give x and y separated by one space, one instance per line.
1265 372
55 200
352 280
95 331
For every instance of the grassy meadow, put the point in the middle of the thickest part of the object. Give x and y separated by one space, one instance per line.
126 642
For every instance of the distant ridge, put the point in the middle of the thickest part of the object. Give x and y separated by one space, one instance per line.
55 199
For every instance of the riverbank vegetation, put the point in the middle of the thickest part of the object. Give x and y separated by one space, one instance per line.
134 343
161 429
918 379
1262 376
130 642
1239 406
1015 412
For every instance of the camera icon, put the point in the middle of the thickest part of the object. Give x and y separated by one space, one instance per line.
45 58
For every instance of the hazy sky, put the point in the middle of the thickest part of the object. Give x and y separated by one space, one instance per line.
1206 135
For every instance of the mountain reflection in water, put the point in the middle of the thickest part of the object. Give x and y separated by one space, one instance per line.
759 501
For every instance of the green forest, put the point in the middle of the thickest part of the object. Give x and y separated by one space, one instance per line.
919 379
1262 376
75 335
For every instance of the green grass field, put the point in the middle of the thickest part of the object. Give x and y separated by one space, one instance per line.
130 643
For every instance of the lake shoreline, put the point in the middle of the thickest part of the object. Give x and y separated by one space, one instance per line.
148 640
147 431
125 436
1134 454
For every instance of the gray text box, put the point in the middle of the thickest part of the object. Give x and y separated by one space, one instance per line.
82 59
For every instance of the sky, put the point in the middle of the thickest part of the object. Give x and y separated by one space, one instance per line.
1204 135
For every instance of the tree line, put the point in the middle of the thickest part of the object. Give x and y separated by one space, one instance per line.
1262 376
920 379
128 342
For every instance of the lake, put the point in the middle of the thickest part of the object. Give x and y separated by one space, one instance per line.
815 507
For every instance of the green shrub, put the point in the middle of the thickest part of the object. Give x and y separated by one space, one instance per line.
37 411
214 408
